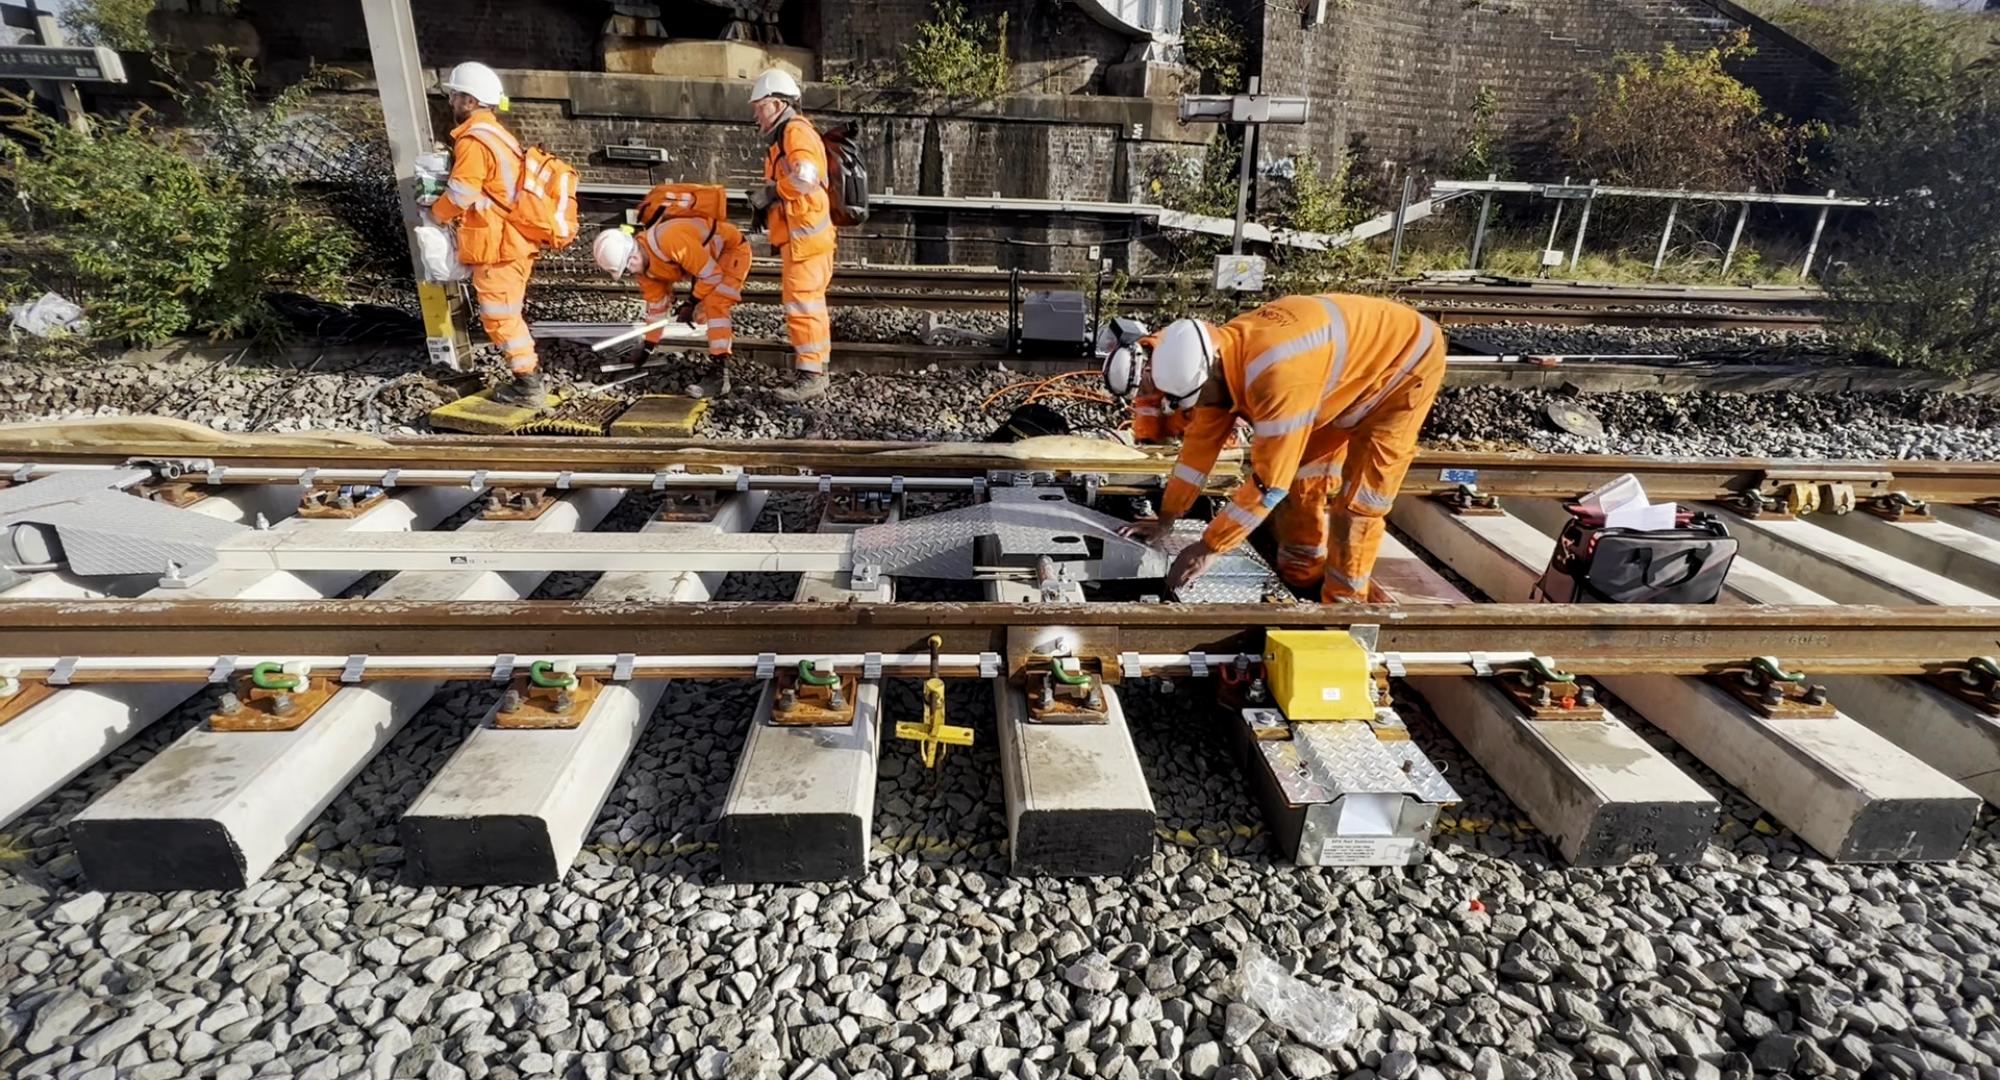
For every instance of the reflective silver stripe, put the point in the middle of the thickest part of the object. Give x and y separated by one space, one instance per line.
724 344
1315 469
653 243
1243 517
1302 551
1191 475
517 344
801 234
1354 585
466 202
1304 343
1358 413
709 274
499 309
728 291
1268 428
660 310
461 187
719 324
1338 322
506 154
804 307
812 347
1372 499
1145 410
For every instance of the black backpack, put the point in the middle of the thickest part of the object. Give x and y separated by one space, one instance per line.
846 176
1595 565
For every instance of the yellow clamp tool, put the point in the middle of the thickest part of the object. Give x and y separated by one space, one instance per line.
932 735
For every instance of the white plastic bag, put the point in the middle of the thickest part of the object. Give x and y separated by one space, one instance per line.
437 246
48 316
1324 1018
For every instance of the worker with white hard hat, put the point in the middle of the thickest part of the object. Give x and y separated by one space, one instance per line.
1335 389
711 254
797 214
486 164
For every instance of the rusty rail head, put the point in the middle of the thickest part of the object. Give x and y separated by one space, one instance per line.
1519 474
1587 639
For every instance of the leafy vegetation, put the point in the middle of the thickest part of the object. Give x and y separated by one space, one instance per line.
1719 138
167 230
1485 153
1212 44
958 56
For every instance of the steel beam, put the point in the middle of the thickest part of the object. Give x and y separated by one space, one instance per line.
515 807
1604 795
500 552
216 809
802 804
1845 790
59 737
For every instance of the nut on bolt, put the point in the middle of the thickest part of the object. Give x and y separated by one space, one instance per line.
510 702
229 704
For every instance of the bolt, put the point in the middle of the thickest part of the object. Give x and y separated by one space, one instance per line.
1258 691
1543 696
564 701
345 501
229 703
835 698
788 699
510 702
1048 695
1773 695
1815 695
1586 696
1166 685
1096 698
282 704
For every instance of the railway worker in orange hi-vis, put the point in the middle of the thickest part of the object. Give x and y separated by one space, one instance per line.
1335 389
486 161
712 254
797 214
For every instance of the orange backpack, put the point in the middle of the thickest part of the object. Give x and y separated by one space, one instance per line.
544 199
671 200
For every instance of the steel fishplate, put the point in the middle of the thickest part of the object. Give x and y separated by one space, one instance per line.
808 697
270 698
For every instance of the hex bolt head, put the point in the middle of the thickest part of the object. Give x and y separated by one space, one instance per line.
1815 695
1258 691
229 703
1543 696
282 704
564 702
835 698
788 699
1586 696
510 702
1774 695
1096 698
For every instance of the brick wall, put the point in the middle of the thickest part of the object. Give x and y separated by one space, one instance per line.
560 34
1055 48
1395 80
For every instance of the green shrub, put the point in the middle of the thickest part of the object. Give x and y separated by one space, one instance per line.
957 56
1212 44
169 230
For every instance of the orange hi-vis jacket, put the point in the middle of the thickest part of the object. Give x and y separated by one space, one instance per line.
1308 373
800 221
712 254
486 162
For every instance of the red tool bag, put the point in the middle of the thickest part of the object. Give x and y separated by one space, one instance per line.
1596 565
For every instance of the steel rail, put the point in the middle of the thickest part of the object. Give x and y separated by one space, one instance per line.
1586 639
636 462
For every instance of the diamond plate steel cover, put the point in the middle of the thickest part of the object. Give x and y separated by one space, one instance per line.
1240 576
1016 528
1425 780
1301 783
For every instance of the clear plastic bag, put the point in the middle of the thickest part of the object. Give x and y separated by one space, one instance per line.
1320 1017
437 246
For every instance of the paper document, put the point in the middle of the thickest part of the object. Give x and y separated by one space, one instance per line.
1623 505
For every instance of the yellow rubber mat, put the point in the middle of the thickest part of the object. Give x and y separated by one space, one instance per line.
479 414
660 416
588 416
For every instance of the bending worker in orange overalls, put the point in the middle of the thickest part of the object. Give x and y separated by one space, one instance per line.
798 217
712 254
1335 389
486 163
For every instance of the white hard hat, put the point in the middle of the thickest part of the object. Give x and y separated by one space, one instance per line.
1118 331
613 250
1181 362
476 81
1123 367
774 83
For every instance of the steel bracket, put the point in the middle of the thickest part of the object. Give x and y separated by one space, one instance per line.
338 502
1466 500
164 470
692 505
1752 503
621 667
848 505
1898 506
250 707
871 666
1030 649
352 671
767 665
529 707
796 702
1266 725
1764 685
503 667
1976 682
1054 699
517 504
1543 692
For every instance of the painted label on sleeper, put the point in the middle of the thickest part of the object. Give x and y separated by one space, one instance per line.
1366 851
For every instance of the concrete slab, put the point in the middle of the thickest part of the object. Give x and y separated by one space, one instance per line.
515 807
1077 801
48 745
1842 569
1841 787
1957 554
1604 795
1943 732
802 804
216 809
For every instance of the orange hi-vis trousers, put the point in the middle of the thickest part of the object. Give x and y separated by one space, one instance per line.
502 286
802 286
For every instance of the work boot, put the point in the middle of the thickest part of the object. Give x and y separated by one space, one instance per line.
808 386
713 388
524 390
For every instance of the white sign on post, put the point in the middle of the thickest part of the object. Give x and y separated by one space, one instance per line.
1239 273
